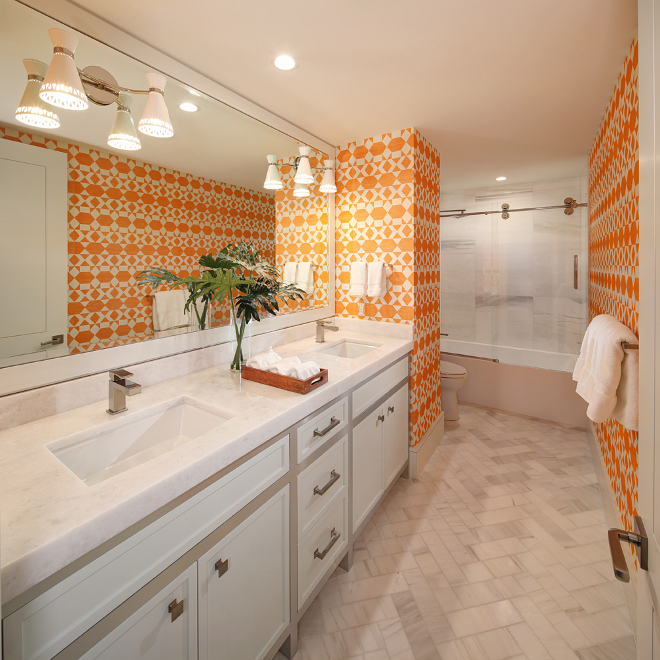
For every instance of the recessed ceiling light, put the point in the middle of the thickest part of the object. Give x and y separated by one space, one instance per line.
501 178
285 62
189 107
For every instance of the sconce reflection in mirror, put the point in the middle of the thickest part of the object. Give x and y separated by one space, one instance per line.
63 85
303 174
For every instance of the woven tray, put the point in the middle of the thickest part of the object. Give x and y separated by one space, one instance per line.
285 382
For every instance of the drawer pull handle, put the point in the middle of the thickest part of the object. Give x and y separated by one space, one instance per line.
333 423
333 479
334 534
222 566
381 418
390 409
175 609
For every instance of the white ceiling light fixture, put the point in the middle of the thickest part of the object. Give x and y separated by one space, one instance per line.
155 118
303 167
501 178
124 136
189 107
285 62
273 177
301 190
62 86
32 109
328 184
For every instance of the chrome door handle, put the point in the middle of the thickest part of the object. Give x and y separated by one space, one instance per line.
55 340
334 537
390 409
637 538
333 423
333 479
381 418
222 566
175 609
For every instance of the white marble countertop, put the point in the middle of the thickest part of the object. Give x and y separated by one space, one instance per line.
50 517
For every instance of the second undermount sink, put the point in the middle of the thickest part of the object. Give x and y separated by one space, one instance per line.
347 348
119 445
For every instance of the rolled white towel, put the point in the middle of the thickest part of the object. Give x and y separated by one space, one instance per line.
263 360
376 279
289 273
282 367
358 279
304 370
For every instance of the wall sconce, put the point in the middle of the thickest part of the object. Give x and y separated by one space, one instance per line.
328 184
304 169
301 190
273 178
32 110
65 86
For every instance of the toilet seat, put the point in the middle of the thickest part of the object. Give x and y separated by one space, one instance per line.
451 370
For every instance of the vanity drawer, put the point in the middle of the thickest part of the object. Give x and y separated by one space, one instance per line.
371 391
325 542
320 484
50 622
321 428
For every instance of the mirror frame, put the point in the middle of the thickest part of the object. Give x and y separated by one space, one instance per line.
21 377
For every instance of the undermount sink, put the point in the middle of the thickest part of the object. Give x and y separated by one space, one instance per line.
119 445
347 348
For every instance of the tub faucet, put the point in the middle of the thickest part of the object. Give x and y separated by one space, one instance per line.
120 387
321 327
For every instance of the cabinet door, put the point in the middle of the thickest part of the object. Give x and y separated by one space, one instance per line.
396 433
244 586
165 628
367 465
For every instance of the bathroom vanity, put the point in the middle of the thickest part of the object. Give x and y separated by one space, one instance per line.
215 547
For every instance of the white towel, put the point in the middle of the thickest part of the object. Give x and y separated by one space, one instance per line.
376 279
289 273
263 360
358 279
627 394
282 367
168 310
305 277
304 371
598 369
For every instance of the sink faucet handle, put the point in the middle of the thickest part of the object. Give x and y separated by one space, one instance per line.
119 374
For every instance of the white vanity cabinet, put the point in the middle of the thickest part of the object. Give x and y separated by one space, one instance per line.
396 433
244 586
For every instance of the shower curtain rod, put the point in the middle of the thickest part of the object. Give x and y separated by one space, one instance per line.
569 206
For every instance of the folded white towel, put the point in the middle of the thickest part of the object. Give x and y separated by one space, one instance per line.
598 369
358 279
304 371
627 394
305 277
168 310
263 360
376 279
289 273
283 367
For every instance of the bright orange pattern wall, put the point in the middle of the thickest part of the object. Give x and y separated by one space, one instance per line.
124 216
613 256
386 208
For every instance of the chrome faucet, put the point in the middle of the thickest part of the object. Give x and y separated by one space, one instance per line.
120 387
321 327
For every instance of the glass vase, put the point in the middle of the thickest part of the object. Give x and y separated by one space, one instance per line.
241 347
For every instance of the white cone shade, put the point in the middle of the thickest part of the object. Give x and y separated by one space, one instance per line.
328 184
304 171
62 86
273 178
301 190
155 118
124 136
32 110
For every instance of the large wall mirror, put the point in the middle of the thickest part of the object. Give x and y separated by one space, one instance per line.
83 214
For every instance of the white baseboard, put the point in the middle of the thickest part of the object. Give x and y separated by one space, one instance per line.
613 518
419 454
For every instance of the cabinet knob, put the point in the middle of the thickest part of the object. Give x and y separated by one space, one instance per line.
381 418
390 409
222 566
175 609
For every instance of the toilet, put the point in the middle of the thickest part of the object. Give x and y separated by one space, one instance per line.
453 378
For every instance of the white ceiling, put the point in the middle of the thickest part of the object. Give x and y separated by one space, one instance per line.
513 87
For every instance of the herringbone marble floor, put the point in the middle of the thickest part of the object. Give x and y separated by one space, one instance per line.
498 551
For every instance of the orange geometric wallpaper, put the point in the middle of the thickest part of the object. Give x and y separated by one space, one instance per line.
613 257
386 208
124 216
302 233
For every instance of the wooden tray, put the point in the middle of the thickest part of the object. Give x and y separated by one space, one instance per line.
285 382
